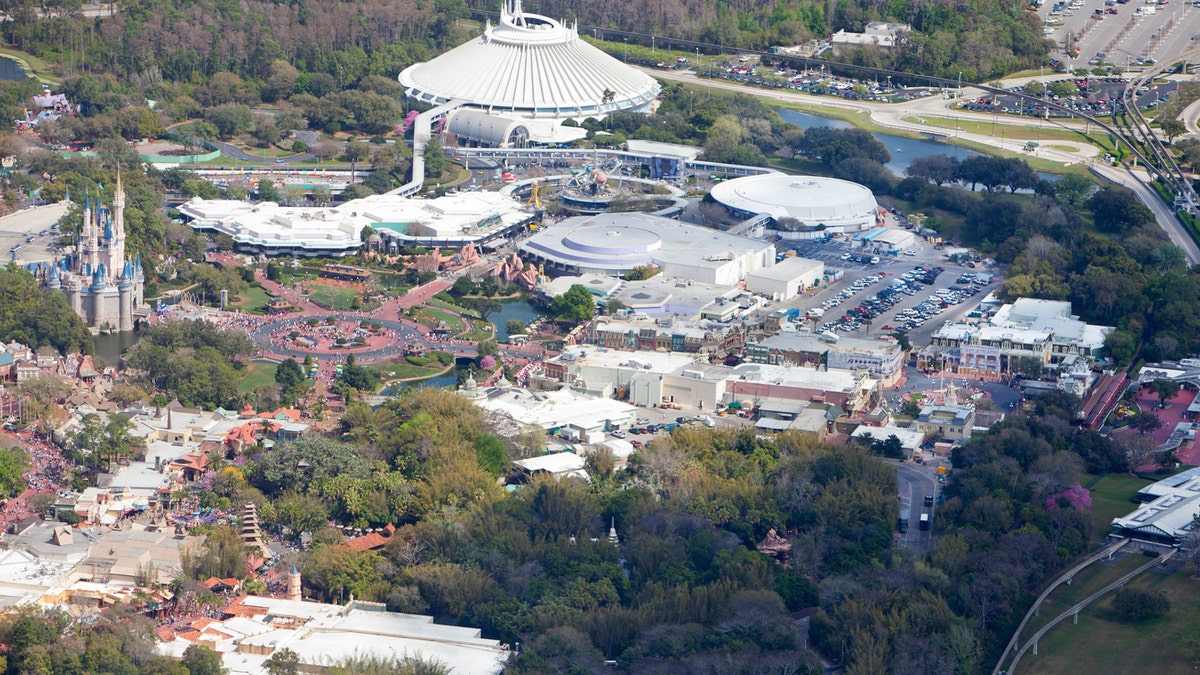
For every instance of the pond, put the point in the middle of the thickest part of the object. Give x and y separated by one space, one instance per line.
521 309
10 70
110 346
904 150
441 381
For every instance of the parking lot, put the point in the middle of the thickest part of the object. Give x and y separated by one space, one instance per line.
1097 95
31 233
1128 37
864 282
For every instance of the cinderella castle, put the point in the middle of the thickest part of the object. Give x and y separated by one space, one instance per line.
103 286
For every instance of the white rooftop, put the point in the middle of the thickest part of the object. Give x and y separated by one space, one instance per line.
464 216
531 65
813 200
330 633
558 462
651 362
553 409
790 268
808 378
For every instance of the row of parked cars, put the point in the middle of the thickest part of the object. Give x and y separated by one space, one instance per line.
935 304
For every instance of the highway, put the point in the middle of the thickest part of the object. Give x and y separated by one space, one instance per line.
916 481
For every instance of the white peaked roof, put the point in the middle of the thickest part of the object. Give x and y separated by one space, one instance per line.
531 65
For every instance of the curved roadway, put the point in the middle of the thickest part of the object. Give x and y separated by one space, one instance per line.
891 115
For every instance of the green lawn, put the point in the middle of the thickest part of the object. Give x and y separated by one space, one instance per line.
402 370
253 300
1048 132
333 297
1111 497
32 65
1102 643
257 375
436 315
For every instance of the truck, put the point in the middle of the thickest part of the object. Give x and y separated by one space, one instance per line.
924 525
902 521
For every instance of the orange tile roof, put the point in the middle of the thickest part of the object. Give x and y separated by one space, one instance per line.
189 635
165 634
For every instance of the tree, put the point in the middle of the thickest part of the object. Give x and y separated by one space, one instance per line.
12 468
325 149
435 159
289 376
1139 604
201 660
1164 389
514 326
1172 129
1116 209
266 191
576 305
230 119
938 169
283 662
1145 422
1073 190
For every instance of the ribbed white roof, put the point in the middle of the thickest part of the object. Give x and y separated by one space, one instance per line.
531 65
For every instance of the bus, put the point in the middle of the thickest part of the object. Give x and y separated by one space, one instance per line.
924 521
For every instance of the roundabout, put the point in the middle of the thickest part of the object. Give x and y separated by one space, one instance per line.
336 336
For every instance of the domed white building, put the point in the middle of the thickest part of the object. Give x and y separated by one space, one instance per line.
814 201
530 66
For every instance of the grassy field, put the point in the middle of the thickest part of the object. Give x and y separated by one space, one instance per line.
1049 132
257 375
253 300
1102 643
431 317
403 370
333 297
1092 579
1110 498
32 65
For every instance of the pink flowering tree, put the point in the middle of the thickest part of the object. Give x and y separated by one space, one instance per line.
488 363
1076 497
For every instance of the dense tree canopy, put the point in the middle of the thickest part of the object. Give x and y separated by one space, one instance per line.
37 317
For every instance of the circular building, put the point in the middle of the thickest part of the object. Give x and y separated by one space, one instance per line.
813 201
615 243
532 66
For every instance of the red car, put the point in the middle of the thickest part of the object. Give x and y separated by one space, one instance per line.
637 444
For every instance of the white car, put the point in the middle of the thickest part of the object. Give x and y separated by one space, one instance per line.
909 252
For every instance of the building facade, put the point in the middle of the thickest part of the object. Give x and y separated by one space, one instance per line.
103 285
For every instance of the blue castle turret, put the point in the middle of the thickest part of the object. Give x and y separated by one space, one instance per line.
103 286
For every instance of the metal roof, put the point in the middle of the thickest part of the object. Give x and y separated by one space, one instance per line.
531 65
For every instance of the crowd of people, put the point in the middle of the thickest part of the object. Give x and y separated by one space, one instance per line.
45 471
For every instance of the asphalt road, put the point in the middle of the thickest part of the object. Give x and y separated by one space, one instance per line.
916 481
